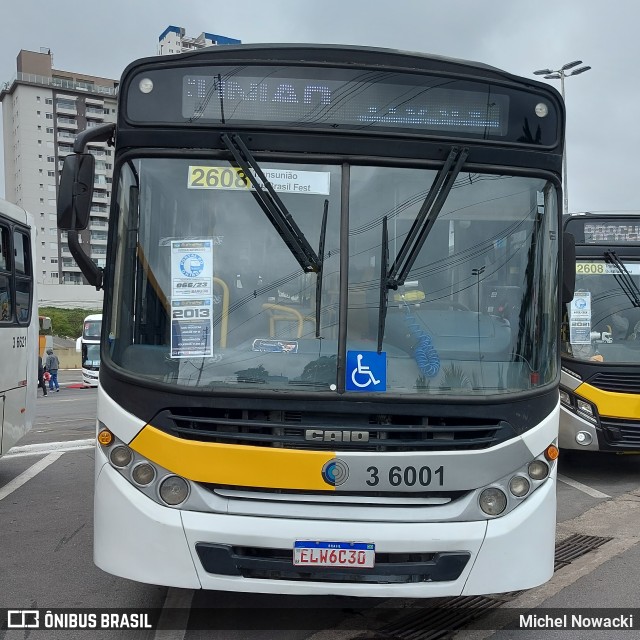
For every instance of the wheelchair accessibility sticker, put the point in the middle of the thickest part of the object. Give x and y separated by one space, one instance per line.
366 371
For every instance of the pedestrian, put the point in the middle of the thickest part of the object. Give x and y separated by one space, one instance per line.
52 364
41 377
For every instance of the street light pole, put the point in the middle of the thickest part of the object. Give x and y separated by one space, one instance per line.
561 74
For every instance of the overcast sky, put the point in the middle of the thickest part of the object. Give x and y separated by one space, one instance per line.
603 104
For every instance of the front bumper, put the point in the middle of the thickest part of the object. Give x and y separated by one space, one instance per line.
139 539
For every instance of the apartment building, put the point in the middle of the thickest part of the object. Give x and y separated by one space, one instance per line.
174 40
43 109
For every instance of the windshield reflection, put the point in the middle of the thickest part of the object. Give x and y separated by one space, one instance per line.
207 293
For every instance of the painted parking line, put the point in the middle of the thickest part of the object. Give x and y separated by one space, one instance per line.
31 472
594 493
51 447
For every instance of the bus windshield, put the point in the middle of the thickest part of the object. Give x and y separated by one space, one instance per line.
607 327
220 301
91 329
91 356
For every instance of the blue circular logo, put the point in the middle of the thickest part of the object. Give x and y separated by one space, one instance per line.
581 303
191 265
335 472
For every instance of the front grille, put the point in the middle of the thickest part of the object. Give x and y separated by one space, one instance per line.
621 433
338 432
616 382
277 564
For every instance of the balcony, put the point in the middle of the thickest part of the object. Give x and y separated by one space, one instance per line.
90 100
67 123
99 196
66 110
65 135
94 114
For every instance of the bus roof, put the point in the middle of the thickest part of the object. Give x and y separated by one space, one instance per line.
301 53
15 212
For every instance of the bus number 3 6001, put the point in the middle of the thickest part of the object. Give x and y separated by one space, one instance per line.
408 476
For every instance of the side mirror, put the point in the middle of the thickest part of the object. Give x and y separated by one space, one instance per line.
76 191
568 267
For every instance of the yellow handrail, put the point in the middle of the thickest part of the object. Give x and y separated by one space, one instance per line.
225 311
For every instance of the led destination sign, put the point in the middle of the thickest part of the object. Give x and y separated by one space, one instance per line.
616 231
339 99
356 104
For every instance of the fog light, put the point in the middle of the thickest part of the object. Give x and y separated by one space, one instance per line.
565 398
143 474
493 501
120 456
519 486
584 438
538 470
174 490
585 408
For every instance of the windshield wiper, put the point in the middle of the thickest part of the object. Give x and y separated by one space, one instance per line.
275 210
623 278
395 276
323 233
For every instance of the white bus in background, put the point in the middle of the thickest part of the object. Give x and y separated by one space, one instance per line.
88 344
18 325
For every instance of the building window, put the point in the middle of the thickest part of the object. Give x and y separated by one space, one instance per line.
54 260
49 116
54 274
50 159
51 174
48 101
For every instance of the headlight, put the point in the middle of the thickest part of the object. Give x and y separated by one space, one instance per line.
519 486
174 490
538 470
143 474
120 456
493 501
565 398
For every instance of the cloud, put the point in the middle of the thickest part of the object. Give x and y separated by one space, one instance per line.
515 36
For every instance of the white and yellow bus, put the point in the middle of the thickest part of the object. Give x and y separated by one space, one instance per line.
330 345
18 325
600 386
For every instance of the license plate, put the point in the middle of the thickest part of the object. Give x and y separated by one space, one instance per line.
334 554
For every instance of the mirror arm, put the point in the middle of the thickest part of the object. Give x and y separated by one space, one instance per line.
90 270
101 133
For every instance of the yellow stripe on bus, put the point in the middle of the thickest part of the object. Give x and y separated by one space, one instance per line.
246 466
612 405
